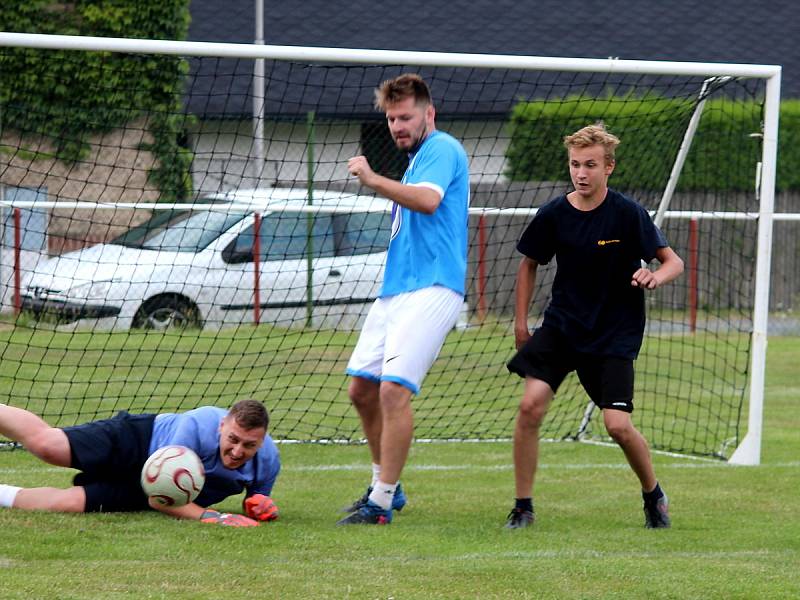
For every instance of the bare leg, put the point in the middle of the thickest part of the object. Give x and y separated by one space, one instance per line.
620 427
532 409
364 394
50 444
51 499
398 429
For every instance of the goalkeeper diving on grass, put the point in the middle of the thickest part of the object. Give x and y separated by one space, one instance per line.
594 323
423 287
237 454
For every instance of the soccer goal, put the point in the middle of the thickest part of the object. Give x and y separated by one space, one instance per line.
179 229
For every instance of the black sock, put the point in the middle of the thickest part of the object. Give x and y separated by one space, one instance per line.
652 497
523 504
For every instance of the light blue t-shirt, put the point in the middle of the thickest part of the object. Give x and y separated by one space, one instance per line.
427 250
198 429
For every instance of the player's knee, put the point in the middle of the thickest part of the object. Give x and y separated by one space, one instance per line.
620 431
394 397
362 393
69 500
531 412
50 445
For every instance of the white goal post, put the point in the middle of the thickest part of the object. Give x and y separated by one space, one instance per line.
748 451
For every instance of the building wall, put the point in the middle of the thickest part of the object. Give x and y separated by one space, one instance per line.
115 170
225 155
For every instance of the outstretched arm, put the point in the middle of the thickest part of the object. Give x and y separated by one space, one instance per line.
187 511
671 265
525 286
206 515
417 198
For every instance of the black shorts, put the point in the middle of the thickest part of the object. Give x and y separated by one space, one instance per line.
548 356
109 455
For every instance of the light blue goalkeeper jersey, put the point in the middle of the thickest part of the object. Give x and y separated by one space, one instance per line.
427 250
198 429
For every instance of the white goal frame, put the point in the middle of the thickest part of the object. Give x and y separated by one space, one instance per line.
749 450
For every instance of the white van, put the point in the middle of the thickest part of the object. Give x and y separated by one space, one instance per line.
196 268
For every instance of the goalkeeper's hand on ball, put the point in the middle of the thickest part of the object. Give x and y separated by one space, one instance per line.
261 508
227 519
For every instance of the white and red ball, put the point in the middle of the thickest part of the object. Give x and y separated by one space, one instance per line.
173 476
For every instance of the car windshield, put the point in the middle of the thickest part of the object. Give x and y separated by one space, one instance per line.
180 230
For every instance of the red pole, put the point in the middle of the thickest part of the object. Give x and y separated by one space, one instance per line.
17 266
693 275
481 268
256 268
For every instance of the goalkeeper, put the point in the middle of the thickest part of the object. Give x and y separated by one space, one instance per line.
236 451
594 323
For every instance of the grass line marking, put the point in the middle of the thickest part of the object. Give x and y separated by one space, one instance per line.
622 465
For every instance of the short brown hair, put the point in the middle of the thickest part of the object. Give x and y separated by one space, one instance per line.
594 135
408 85
250 414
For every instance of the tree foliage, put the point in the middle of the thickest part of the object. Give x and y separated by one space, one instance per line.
70 96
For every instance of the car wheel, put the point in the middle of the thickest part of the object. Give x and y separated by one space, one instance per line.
167 312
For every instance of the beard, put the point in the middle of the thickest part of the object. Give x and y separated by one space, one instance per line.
411 143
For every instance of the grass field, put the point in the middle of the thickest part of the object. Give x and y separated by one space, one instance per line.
689 388
736 531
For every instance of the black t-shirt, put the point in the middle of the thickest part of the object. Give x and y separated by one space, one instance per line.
597 252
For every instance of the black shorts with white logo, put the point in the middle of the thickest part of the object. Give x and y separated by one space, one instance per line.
547 356
109 455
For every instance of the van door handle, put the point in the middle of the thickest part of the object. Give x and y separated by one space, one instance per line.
335 273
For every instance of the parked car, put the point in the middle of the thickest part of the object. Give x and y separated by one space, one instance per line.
196 268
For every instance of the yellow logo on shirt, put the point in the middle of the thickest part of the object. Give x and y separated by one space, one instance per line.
604 242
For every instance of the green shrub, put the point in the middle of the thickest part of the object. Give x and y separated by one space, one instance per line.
724 155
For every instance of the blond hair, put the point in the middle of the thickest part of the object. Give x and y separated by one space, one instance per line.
408 85
594 135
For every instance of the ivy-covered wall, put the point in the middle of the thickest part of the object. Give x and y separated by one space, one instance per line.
69 97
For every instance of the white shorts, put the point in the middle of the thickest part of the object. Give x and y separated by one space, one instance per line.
403 334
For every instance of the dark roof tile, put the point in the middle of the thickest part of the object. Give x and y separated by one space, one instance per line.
736 31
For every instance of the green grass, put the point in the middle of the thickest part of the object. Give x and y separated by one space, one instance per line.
689 388
735 535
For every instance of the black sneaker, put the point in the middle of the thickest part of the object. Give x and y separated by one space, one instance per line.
398 502
369 514
518 518
656 516
362 501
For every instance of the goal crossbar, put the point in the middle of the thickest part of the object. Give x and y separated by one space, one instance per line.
385 57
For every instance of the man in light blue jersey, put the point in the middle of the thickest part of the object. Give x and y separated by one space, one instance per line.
423 287
236 452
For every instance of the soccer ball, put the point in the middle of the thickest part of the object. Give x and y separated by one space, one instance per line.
173 476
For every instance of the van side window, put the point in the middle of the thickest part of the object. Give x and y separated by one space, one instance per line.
361 233
284 236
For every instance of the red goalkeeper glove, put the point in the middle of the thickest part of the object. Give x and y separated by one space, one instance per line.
227 519
261 508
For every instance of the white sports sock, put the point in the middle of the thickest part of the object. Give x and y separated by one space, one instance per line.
383 494
376 474
7 495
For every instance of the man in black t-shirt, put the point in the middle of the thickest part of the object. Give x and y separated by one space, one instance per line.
594 323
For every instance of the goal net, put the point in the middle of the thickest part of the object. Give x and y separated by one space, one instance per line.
177 232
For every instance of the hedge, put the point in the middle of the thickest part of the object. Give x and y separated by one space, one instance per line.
724 154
